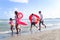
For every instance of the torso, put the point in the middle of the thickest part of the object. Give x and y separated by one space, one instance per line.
33 19
41 17
11 23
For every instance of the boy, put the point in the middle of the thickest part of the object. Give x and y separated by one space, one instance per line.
33 21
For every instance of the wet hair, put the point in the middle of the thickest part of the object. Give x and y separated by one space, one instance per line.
39 11
32 14
10 18
16 12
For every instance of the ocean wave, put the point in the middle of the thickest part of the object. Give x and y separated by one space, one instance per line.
49 24
4 32
53 24
3 21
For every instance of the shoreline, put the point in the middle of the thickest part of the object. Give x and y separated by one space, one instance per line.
43 35
27 33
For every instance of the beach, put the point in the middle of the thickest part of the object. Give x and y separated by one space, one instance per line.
43 35
51 32
29 19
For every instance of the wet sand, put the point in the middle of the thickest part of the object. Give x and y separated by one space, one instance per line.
42 35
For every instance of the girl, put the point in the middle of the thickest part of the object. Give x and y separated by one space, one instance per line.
16 22
11 24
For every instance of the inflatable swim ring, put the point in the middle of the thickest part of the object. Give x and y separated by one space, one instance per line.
36 18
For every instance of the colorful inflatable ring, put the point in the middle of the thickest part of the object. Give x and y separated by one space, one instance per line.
36 19
20 22
20 15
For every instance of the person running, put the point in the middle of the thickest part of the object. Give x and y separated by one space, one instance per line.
33 22
11 24
41 21
16 24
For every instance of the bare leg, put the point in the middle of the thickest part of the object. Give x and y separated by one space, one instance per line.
17 28
35 26
30 28
12 29
12 32
43 24
39 26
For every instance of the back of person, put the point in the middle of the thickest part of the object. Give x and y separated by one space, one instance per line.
41 21
33 18
41 17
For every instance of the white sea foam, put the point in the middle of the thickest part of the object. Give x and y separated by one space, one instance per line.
49 24
5 32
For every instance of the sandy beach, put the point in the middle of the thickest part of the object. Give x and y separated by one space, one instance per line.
43 35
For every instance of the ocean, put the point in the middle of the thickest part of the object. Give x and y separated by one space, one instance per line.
51 23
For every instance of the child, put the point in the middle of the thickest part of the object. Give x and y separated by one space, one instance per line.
11 24
33 22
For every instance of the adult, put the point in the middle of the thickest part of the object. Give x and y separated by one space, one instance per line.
16 24
41 21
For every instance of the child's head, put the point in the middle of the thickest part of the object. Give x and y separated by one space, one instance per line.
10 19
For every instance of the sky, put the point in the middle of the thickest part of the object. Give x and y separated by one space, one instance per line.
49 8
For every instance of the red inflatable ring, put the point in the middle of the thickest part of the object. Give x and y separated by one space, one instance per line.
20 15
36 19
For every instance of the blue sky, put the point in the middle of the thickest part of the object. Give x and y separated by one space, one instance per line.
49 8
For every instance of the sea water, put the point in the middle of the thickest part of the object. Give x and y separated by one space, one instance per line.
51 23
